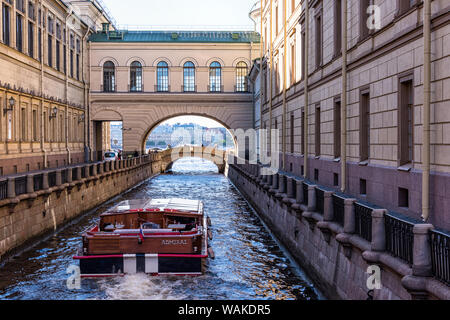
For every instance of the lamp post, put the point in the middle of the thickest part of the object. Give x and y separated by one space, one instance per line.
54 113
11 104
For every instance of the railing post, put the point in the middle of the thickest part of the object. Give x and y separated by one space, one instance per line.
349 216
289 189
94 170
299 189
45 180
311 198
378 230
100 166
328 206
11 188
422 266
30 183
58 177
69 176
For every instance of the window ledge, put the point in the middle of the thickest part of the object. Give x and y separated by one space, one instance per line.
317 157
363 163
405 167
337 159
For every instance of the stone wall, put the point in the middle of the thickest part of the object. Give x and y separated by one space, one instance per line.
28 216
331 253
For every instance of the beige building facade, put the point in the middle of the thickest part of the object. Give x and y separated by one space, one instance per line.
44 82
145 77
377 132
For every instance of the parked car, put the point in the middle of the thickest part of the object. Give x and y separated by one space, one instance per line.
110 156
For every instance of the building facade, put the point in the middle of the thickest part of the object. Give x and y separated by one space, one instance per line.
142 78
44 82
373 135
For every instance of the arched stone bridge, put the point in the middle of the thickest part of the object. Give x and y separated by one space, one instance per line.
169 156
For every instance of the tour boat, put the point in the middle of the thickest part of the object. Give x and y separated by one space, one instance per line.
154 236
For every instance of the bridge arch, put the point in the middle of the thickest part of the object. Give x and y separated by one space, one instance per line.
161 120
170 156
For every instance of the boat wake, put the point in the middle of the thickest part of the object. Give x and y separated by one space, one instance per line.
141 286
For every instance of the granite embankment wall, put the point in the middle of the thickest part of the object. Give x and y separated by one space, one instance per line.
336 238
36 204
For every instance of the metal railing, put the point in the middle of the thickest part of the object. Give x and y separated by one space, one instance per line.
399 237
319 200
363 221
3 189
338 209
52 179
38 182
440 258
20 185
305 193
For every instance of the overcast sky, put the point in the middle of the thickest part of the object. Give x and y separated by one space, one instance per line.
181 12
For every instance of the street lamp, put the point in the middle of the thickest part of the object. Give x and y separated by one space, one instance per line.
11 103
54 113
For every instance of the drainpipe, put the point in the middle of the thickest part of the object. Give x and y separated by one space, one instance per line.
67 90
261 79
426 110
344 99
271 81
284 89
42 87
305 129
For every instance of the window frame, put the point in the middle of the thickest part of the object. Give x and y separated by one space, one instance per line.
241 81
136 76
162 77
215 80
109 73
189 77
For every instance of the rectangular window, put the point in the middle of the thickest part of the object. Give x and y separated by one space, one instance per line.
19 33
406 122
292 133
405 5
9 123
61 128
303 132
35 136
23 116
364 16
317 130
304 67
318 40
71 63
58 56
39 44
78 66
337 27
31 39
293 63
337 129
50 52
45 127
65 59
6 24
276 20
362 187
364 125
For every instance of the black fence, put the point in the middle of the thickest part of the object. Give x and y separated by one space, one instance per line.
399 237
3 189
20 185
305 194
363 221
38 182
440 258
64 176
338 210
319 200
52 179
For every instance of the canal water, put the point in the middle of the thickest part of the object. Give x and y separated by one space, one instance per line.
249 262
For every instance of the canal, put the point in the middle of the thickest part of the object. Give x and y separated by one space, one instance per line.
249 263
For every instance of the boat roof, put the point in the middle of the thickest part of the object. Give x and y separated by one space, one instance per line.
176 204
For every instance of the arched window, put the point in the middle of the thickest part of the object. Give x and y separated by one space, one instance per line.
136 76
241 77
109 78
189 77
215 77
162 74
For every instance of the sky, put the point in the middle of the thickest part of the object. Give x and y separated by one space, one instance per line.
183 14
190 13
